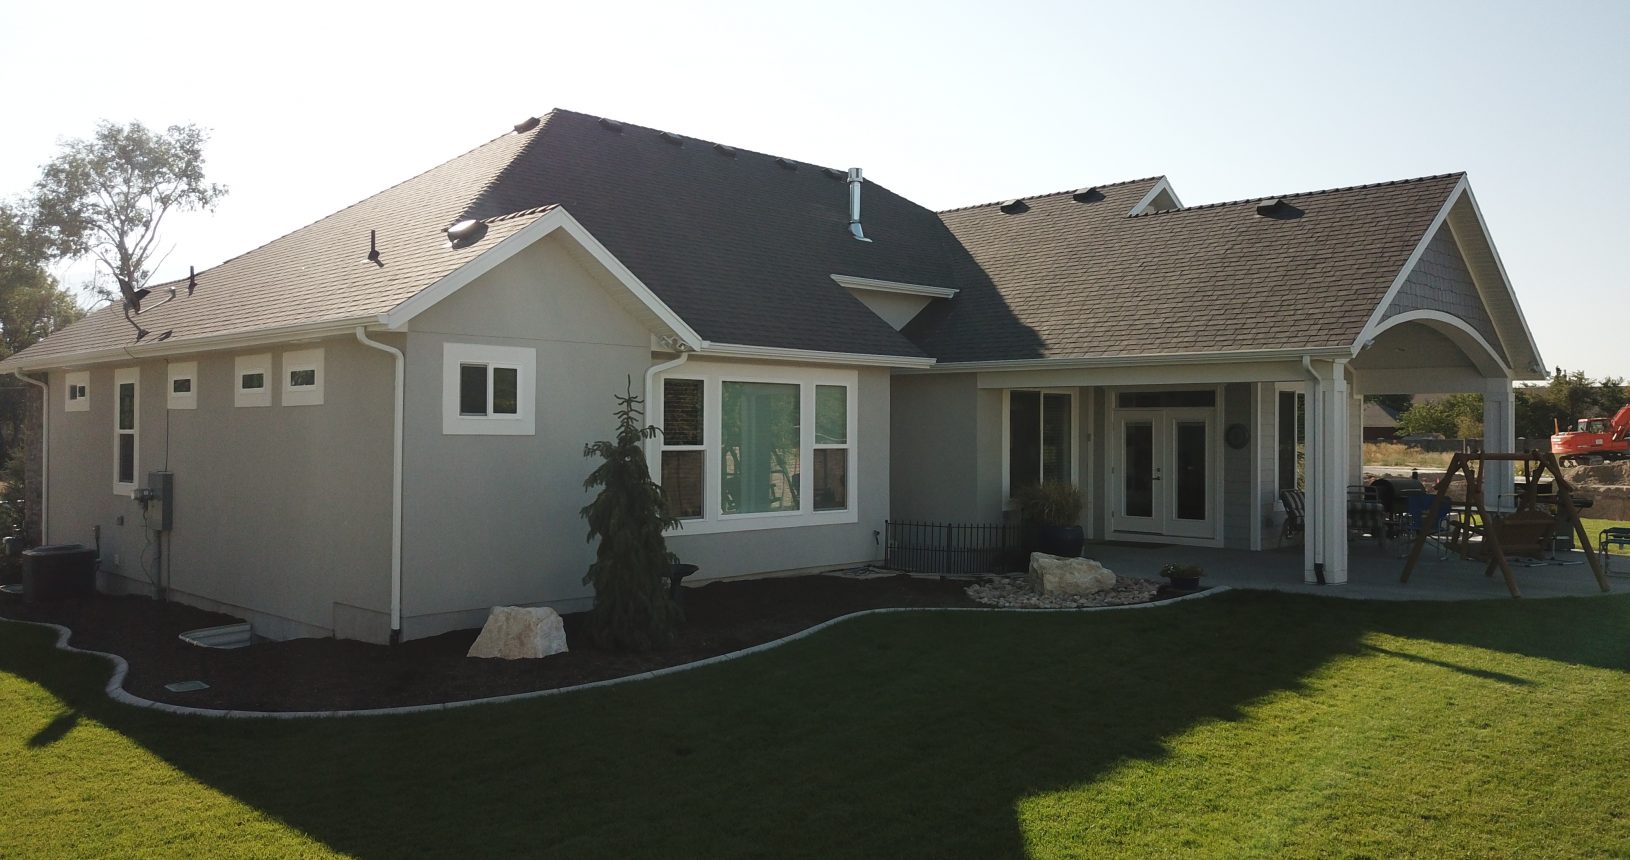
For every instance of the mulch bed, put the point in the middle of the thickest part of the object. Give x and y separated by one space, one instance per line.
339 674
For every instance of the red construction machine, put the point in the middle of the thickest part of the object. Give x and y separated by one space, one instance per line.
1605 438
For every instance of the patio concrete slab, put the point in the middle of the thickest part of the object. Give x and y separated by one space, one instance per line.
1373 572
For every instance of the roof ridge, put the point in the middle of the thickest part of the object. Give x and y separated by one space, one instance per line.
737 149
521 213
496 180
1050 194
1223 203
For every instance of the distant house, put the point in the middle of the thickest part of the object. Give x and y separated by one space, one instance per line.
375 423
1380 422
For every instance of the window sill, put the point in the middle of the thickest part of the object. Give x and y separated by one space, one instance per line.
757 522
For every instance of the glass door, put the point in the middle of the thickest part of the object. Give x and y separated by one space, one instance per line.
1163 481
1138 505
1188 453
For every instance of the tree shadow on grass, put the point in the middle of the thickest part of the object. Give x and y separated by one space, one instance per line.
903 734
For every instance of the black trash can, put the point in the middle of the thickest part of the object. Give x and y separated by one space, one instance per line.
58 572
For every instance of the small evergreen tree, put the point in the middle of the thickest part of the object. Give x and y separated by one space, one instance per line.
632 609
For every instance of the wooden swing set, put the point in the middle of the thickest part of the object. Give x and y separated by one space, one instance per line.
1524 531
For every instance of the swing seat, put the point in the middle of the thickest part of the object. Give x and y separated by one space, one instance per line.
1526 534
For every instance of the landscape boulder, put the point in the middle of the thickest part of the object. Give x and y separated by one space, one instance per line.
1053 574
520 633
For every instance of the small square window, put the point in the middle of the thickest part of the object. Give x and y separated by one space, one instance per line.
76 392
488 390
252 381
302 378
183 392
181 386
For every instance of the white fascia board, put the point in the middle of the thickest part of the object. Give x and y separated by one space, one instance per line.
808 356
1505 280
874 285
555 219
1370 329
1163 185
183 346
1136 360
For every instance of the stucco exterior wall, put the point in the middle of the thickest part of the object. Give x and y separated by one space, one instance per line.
282 513
935 449
492 520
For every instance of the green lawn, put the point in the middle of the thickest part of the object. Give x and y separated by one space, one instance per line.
1250 724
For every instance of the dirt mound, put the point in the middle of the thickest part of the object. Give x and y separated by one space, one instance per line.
1606 475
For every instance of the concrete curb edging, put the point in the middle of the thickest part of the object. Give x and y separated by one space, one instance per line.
115 686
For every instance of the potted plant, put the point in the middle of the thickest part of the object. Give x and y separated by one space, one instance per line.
1184 577
1054 509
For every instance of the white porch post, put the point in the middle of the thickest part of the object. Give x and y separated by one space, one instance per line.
1499 437
1328 451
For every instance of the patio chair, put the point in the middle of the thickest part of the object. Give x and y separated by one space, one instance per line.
1615 536
1295 503
1413 522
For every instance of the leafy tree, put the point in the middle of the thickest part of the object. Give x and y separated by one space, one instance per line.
632 607
1396 402
107 195
32 305
1458 416
1564 399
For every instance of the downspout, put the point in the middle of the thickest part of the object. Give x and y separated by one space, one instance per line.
396 484
1310 465
650 382
45 450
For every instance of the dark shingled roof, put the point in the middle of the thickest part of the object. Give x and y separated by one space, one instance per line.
743 245
740 244
1069 279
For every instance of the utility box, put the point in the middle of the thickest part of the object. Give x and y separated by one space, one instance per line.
162 486
59 572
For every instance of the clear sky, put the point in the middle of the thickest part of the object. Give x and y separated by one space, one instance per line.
315 106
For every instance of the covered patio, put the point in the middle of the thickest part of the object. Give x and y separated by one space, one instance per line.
1372 572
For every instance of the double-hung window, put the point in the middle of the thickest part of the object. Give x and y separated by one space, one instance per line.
757 447
126 414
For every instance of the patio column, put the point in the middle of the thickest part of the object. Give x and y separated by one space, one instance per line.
1328 446
1499 437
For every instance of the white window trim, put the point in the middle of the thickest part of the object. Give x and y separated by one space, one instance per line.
847 445
1007 439
525 361
659 413
303 395
132 376
260 363
713 377
187 370
1214 453
81 404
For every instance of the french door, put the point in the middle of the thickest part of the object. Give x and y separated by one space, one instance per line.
1162 483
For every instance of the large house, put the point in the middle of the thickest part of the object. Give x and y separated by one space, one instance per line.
374 425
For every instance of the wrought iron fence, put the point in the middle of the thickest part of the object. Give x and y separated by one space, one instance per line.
956 547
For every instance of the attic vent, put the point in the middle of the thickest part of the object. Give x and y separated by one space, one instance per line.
526 125
723 150
787 163
672 138
1278 209
1086 195
1014 207
466 233
611 125
833 173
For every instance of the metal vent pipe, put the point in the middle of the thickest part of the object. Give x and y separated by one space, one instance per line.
855 179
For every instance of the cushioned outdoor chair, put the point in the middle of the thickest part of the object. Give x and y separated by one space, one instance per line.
1295 503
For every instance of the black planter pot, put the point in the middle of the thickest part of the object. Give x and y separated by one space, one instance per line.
1066 541
1184 583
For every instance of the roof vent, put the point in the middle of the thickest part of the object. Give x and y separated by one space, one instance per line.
527 125
855 180
1015 206
723 150
373 250
1086 195
466 233
611 125
787 163
833 173
192 280
1278 209
672 138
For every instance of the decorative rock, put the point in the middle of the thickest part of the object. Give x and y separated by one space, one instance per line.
1075 577
520 633
1011 592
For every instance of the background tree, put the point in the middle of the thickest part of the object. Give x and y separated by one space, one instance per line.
1457 416
632 608
32 305
1564 399
106 196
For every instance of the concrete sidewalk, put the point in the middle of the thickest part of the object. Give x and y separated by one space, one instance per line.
1373 573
